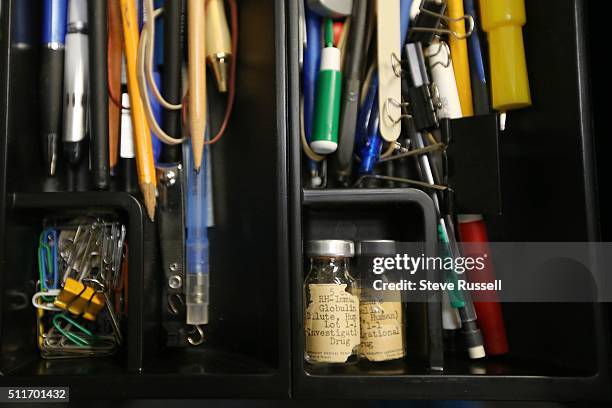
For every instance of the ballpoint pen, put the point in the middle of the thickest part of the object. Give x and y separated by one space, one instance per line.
157 112
469 325
480 92
459 53
115 55
197 269
353 72
171 75
372 148
142 136
127 163
310 73
196 28
76 84
98 85
218 43
52 77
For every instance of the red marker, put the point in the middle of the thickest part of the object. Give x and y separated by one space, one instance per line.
473 230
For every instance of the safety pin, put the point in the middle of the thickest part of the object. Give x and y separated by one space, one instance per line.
422 184
398 105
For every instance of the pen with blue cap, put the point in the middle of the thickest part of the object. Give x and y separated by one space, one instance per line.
52 74
310 72
480 92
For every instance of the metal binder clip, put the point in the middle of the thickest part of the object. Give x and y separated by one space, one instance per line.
171 229
396 64
400 105
438 51
428 23
417 90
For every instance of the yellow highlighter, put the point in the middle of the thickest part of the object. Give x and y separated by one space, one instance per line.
503 21
459 55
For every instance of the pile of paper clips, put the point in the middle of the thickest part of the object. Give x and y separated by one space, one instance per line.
81 297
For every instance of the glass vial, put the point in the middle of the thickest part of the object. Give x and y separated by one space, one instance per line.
381 312
331 304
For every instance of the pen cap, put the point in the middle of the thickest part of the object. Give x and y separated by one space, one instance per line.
503 21
77 15
54 24
327 108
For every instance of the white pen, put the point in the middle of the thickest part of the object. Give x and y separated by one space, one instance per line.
76 82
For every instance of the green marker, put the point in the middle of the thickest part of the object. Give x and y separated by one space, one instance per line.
329 90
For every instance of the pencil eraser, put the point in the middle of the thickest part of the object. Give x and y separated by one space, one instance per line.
323 146
476 352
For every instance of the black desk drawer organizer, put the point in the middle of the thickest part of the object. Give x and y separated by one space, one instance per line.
547 194
246 353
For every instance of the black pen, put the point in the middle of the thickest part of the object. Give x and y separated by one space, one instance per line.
98 88
353 72
171 75
51 80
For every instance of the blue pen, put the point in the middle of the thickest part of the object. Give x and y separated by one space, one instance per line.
370 152
157 113
369 140
365 113
480 94
404 20
52 76
312 61
196 243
